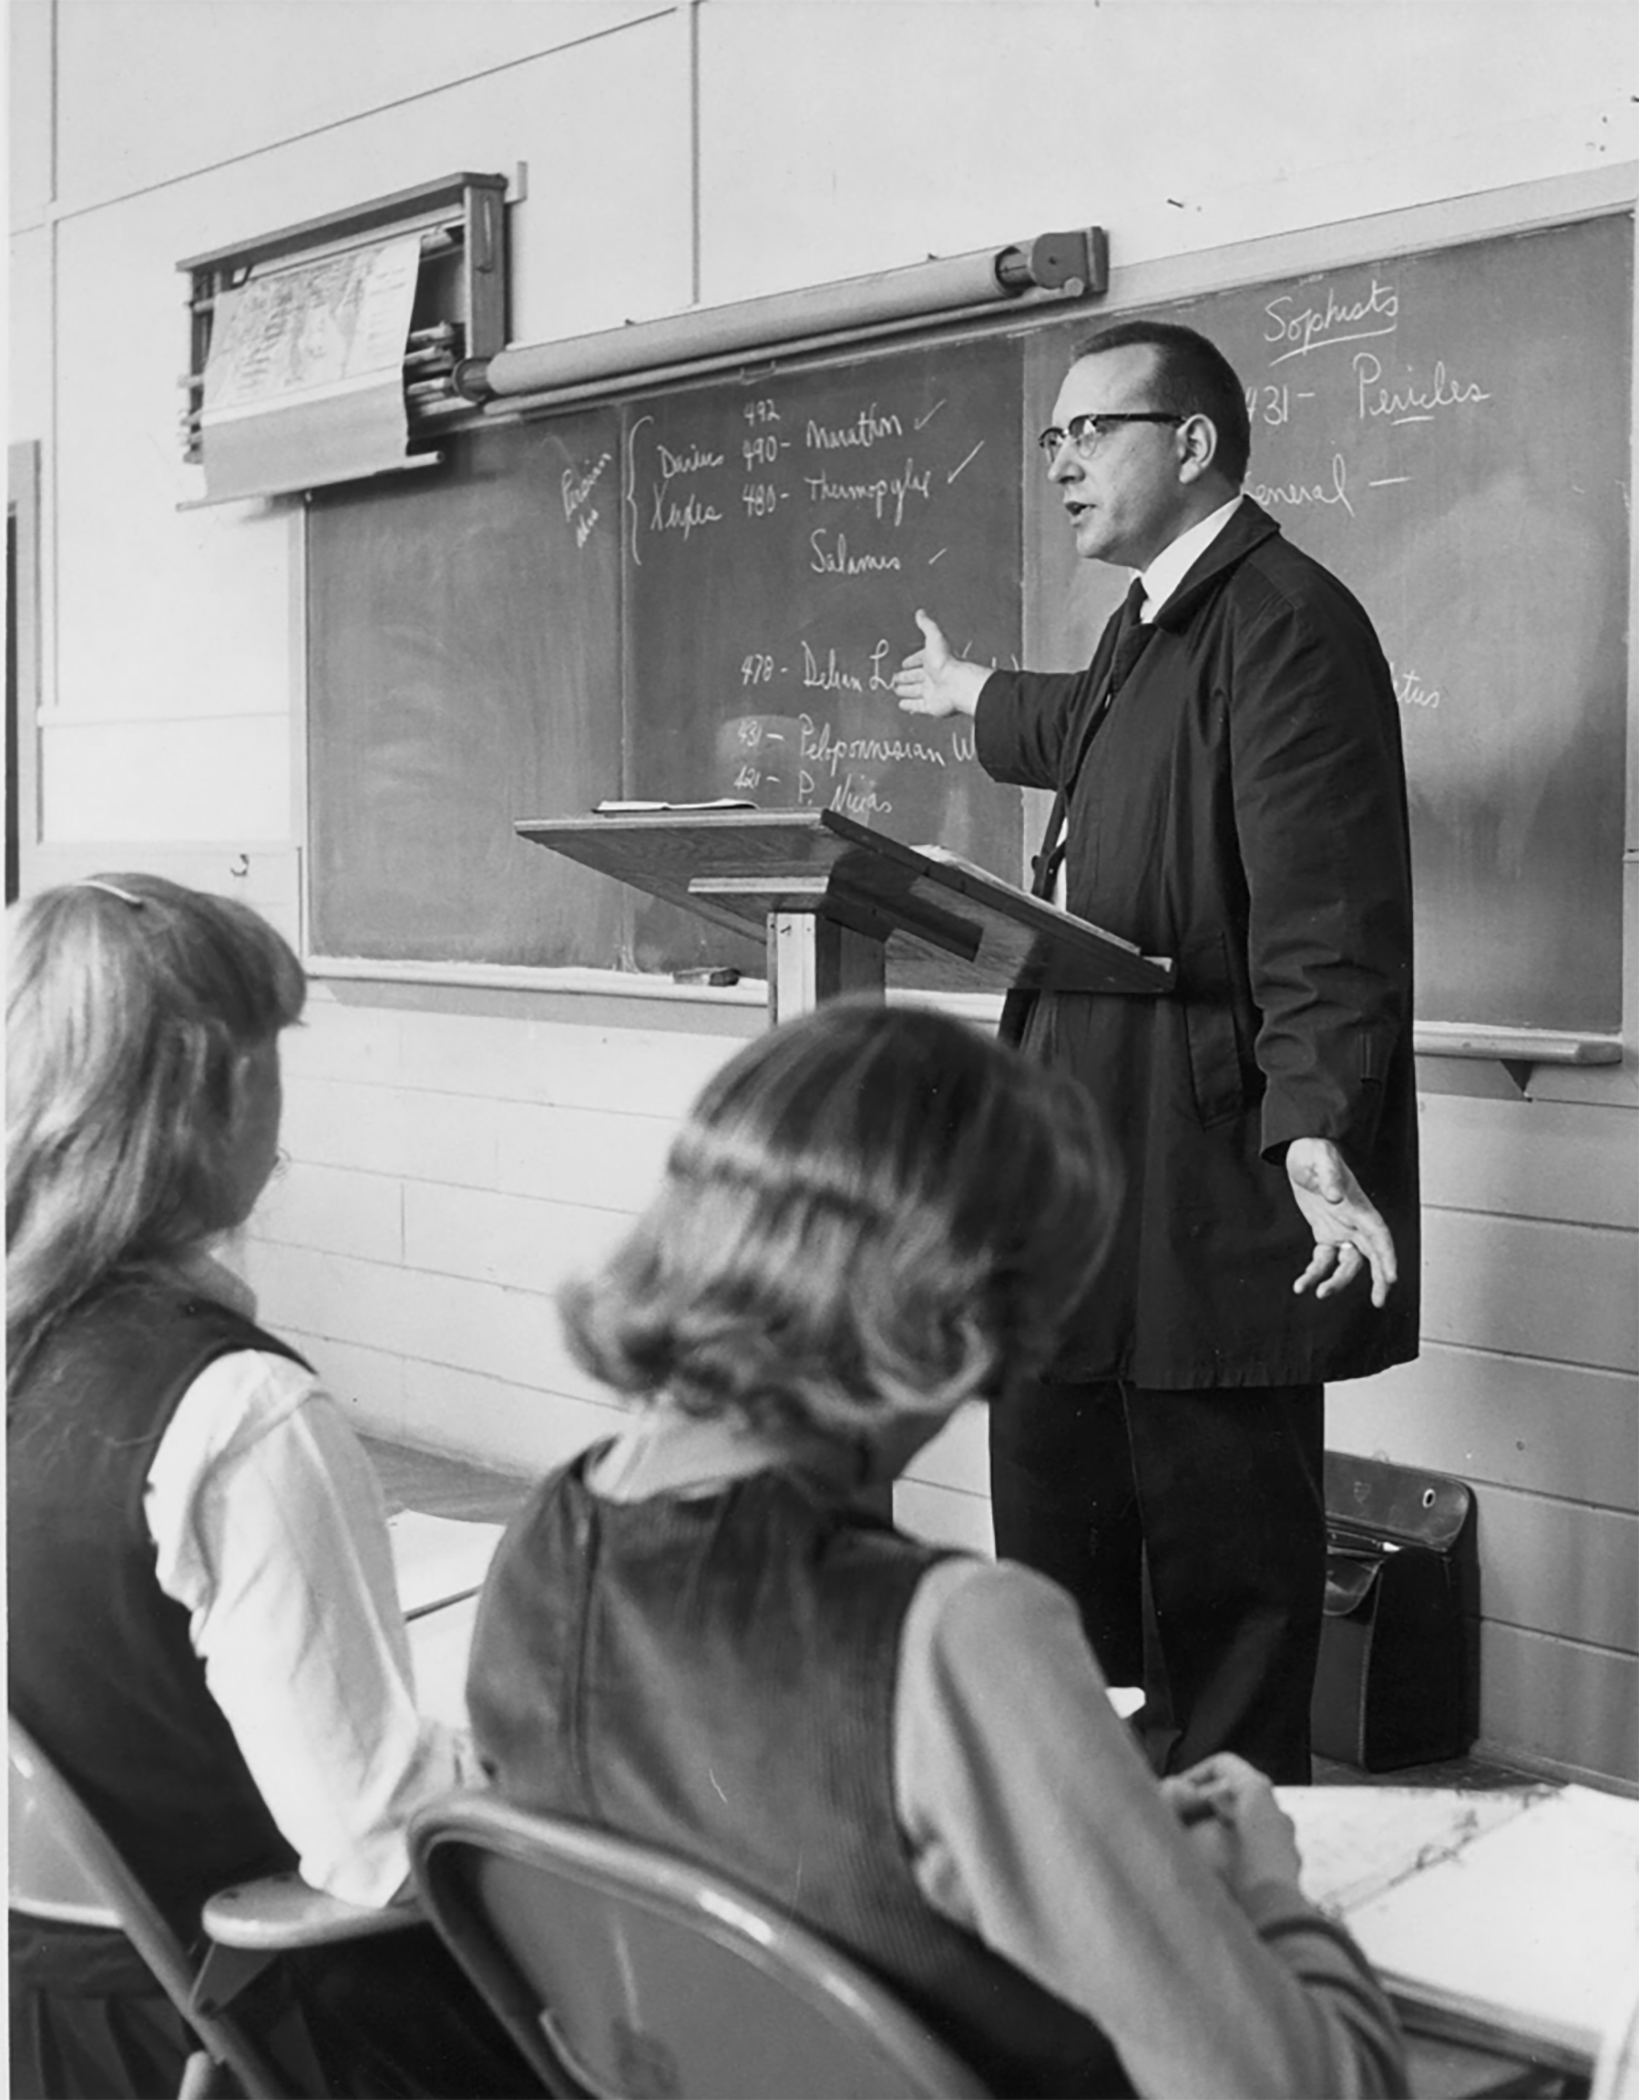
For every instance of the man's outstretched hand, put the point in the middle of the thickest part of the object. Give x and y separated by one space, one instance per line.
933 682
1349 1229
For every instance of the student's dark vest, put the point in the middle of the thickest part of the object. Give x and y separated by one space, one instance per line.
102 1673
717 1677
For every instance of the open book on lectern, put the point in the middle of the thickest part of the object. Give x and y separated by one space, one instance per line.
1510 1915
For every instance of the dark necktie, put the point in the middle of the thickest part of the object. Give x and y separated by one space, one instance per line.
1132 637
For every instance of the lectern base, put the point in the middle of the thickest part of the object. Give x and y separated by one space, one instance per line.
812 958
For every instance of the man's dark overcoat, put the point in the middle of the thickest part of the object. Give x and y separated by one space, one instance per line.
1240 808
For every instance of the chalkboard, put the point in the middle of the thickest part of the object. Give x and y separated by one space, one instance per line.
464 674
1449 433
689 596
779 535
703 591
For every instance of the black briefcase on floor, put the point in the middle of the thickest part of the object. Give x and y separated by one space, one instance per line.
1393 1683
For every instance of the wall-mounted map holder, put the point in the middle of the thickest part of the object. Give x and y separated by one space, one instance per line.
329 351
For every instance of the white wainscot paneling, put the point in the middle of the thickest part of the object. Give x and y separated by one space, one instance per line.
832 181
620 1070
333 1210
604 1160
1572 1709
161 612
1522 1158
167 780
1522 1287
439 1407
943 1516
153 93
29 368
343 1041
1560 1568
460 1322
514 1240
959 1456
1555 1429
392 1130
524 1428
29 24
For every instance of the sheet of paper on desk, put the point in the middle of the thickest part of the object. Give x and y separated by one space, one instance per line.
438 1558
1518 1910
440 1642
1360 1841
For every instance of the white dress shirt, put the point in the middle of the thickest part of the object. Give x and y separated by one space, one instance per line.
1160 580
1175 560
270 1530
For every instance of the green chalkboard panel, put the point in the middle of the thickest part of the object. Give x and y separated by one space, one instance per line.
703 592
1449 433
463 674
779 534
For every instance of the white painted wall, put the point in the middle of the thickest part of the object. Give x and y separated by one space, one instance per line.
453 1151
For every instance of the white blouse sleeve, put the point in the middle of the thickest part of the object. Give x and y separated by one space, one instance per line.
1033 1820
270 1530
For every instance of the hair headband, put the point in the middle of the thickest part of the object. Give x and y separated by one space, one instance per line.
110 889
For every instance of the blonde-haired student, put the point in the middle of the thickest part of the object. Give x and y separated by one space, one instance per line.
205 1630
694 1636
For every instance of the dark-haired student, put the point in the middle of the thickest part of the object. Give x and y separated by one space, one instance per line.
1229 791
694 1637
205 1634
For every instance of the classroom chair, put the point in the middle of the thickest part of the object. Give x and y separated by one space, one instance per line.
63 1866
621 1971
625 1973
1443 2067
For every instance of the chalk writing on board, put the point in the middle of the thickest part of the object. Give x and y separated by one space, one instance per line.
1411 690
1435 429
511 637
1408 402
689 461
831 556
761 640
579 484
1332 488
1298 330
878 495
869 427
1378 394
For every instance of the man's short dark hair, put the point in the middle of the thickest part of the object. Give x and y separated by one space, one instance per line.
1193 378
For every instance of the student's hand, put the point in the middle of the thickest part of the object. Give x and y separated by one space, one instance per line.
1231 1815
1349 1229
933 682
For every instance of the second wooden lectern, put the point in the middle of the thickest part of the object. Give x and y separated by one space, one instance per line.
848 909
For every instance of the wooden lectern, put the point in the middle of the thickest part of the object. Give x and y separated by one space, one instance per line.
846 908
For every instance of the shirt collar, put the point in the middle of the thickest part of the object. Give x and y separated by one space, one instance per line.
1174 562
667 1452
206 1276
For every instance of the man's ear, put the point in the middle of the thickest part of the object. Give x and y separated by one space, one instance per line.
1197 447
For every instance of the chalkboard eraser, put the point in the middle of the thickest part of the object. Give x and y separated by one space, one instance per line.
705 977
682 809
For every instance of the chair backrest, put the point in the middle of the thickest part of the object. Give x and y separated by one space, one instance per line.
624 1973
63 1866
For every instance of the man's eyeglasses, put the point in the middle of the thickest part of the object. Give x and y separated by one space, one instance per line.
1085 432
